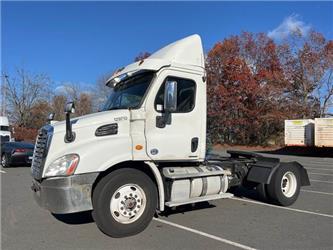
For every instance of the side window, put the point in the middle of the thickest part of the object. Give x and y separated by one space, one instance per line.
185 95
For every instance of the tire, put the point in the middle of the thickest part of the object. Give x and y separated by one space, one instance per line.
124 202
4 161
285 185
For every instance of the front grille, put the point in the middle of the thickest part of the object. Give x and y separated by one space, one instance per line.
40 153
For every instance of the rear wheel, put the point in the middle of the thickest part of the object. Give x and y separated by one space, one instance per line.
4 161
285 185
124 202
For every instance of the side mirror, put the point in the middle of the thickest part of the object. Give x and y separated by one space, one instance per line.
50 117
70 135
170 96
70 107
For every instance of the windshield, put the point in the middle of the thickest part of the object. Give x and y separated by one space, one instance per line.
129 93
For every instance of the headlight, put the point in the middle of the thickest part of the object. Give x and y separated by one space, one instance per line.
64 166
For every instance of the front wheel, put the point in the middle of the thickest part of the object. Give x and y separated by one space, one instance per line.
285 185
124 202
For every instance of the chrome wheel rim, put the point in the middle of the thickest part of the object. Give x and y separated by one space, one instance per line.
128 203
288 184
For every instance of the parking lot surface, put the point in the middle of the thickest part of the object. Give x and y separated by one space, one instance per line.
242 222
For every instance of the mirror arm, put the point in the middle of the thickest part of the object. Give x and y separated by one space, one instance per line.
70 135
167 118
50 118
164 119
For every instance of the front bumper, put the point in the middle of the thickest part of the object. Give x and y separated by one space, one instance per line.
62 195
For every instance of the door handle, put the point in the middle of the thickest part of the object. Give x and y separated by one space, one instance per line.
194 144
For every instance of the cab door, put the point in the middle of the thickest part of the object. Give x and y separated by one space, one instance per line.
178 135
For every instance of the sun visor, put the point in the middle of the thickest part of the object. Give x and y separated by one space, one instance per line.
136 68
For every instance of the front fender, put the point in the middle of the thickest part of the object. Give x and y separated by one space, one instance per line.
96 153
104 154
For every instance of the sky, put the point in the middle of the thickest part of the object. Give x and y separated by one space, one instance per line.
80 41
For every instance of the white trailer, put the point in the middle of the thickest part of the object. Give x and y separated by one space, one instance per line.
299 132
4 129
147 149
324 132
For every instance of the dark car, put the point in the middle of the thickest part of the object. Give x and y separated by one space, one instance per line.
16 153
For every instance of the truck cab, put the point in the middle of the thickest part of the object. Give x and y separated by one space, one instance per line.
147 149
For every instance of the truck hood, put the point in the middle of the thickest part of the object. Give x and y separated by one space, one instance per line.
93 120
94 151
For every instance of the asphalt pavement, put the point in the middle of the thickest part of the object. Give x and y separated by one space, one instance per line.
242 222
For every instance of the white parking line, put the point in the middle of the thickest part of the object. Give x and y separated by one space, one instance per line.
205 234
320 174
321 181
310 164
316 192
306 165
328 169
316 162
286 208
2 171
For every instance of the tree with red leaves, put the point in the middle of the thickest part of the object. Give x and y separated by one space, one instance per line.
245 90
307 66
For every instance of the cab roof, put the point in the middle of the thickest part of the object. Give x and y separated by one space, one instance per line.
185 52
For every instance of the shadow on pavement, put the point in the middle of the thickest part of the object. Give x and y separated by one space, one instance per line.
86 216
186 208
302 151
75 218
252 194
239 192
17 166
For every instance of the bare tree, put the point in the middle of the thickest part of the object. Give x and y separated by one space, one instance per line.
72 91
84 105
23 91
101 91
82 97
58 105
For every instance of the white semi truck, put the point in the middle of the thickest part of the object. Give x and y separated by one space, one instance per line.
147 149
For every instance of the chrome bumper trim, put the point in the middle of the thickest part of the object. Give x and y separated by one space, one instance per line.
63 195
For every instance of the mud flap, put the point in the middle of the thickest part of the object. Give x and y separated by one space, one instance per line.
263 170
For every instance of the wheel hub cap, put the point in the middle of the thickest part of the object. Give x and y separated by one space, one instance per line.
128 203
289 184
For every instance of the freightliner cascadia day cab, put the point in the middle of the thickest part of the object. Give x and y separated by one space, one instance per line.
147 149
